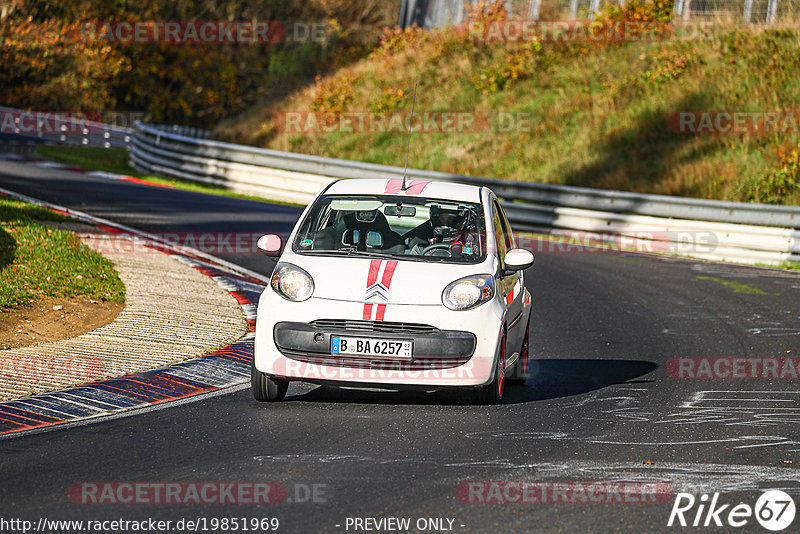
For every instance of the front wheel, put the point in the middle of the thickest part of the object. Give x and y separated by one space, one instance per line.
267 388
493 393
520 371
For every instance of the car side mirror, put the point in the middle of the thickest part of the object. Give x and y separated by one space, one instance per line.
270 244
518 259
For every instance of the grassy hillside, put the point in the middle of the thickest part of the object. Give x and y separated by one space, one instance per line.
599 110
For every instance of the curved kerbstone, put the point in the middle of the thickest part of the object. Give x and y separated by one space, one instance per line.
172 313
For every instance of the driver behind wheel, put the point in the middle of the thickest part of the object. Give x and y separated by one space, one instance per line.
449 232
446 223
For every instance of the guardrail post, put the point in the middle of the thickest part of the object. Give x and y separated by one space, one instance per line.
772 8
533 9
748 11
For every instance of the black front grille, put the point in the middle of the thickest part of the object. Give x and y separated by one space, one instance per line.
380 364
433 348
369 327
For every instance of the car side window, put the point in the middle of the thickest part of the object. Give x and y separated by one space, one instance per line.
507 228
501 236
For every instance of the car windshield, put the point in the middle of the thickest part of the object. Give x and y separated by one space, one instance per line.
408 228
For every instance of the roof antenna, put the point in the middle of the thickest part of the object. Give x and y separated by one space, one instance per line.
410 129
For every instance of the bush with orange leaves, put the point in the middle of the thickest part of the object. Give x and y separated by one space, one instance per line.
484 12
48 65
45 66
779 183
332 94
636 19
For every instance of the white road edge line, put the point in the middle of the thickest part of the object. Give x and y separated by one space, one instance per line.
130 412
161 241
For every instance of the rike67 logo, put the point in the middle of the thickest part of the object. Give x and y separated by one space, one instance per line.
774 510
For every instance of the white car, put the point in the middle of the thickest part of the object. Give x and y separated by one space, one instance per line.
390 285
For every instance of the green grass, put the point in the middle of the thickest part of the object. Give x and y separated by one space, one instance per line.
115 160
37 261
737 287
90 158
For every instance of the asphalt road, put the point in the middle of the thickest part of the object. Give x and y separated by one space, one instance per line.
601 405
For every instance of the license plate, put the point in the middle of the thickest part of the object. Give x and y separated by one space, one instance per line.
378 348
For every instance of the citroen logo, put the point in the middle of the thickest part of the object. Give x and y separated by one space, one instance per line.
377 291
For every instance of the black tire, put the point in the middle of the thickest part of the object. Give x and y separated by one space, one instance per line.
267 388
492 393
519 373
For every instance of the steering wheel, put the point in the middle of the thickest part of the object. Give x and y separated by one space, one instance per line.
444 232
431 249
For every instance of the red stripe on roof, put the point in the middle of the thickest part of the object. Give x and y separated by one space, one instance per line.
414 187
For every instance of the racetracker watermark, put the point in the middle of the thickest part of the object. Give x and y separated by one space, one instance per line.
157 493
208 242
652 241
569 31
379 369
556 492
423 121
51 368
598 32
558 242
177 493
65 122
733 368
206 32
734 122
150 525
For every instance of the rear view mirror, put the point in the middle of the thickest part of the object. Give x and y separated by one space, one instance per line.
400 211
270 244
518 259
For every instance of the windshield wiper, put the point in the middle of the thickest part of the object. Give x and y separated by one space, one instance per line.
346 252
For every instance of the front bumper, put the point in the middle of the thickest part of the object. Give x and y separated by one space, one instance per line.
459 351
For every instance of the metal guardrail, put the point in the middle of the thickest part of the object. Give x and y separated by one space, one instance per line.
440 13
730 231
75 129
63 128
188 131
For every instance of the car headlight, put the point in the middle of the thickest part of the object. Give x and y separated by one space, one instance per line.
291 282
468 292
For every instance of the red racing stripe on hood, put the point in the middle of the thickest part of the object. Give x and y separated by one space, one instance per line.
372 277
388 273
374 268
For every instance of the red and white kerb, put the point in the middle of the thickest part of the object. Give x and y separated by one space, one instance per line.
379 280
512 294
